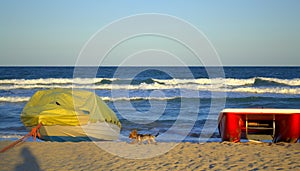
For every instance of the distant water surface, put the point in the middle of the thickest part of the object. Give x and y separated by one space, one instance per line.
151 99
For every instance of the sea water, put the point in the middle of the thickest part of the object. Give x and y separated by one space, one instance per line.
181 103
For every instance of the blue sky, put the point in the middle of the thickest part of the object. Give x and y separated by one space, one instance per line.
243 32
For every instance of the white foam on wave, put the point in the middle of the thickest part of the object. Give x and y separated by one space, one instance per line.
142 86
276 90
25 99
137 98
201 84
208 81
253 90
12 136
290 82
200 81
157 86
229 81
14 99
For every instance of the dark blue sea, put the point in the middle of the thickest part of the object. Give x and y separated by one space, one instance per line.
184 101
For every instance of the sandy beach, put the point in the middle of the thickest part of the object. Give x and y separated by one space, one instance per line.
182 156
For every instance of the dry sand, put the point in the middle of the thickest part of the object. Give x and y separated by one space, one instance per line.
184 156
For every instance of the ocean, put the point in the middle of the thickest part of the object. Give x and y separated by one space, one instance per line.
181 101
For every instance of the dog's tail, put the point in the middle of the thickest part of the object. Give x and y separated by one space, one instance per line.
156 134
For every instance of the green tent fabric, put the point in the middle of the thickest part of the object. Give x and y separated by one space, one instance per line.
66 107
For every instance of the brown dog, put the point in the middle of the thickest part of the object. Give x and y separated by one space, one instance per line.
140 138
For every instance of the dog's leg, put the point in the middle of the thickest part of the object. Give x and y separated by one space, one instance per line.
153 140
133 141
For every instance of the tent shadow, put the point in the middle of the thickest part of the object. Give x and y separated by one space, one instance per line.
29 161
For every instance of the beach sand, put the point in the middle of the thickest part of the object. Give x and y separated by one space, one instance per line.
184 156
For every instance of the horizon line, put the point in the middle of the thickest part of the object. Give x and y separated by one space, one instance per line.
150 66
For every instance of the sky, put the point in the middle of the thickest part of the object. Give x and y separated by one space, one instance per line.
243 33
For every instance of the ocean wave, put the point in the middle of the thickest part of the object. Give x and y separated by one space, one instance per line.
208 81
25 99
231 81
251 85
138 98
14 99
175 81
156 86
277 81
276 90
11 136
47 81
21 99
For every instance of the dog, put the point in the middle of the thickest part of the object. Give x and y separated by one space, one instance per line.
140 138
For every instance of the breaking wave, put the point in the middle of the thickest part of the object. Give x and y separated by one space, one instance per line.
250 85
200 81
233 82
14 99
136 98
25 99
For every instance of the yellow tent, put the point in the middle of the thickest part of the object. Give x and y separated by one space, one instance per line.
74 110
